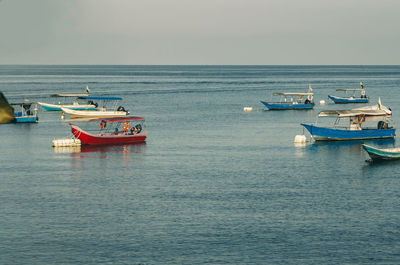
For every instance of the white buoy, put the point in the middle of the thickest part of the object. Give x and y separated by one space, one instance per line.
322 102
300 139
248 109
66 142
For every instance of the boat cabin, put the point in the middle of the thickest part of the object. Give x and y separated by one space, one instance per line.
25 112
358 119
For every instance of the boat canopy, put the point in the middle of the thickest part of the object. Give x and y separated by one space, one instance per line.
69 95
100 98
350 89
292 94
352 113
119 119
23 104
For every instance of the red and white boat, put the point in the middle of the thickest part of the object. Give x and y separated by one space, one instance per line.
118 130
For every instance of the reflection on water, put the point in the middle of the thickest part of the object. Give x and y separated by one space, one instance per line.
300 149
329 151
99 155
124 149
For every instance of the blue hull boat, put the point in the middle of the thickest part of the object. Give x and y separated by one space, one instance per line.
377 154
25 112
287 106
336 134
344 100
26 119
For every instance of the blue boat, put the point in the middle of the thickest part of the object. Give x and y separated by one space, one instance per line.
349 125
292 101
352 98
378 154
23 112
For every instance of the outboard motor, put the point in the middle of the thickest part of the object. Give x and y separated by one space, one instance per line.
138 128
382 125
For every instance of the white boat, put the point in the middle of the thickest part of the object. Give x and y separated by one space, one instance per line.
101 113
62 102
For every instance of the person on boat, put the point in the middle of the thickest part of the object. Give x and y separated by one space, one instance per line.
363 94
133 131
116 131
355 124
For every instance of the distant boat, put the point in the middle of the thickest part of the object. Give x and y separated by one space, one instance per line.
64 102
101 111
24 113
353 98
113 131
377 154
349 125
292 101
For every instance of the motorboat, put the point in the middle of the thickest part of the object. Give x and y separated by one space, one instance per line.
25 112
292 101
64 101
99 112
378 154
352 98
119 130
353 125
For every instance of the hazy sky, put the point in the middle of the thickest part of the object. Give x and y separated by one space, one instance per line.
199 32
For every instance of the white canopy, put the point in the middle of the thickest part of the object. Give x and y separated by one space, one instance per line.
350 89
352 113
292 94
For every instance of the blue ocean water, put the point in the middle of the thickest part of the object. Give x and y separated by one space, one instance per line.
212 185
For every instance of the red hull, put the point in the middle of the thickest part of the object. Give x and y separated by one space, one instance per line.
97 139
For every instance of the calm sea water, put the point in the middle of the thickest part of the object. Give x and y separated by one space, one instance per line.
212 185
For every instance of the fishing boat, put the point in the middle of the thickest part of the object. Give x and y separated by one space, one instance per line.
23 112
292 101
363 98
101 111
378 154
120 130
64 101
353 125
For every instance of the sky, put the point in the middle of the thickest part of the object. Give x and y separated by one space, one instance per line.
200 32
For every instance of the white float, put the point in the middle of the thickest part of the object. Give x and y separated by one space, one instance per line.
322 102
300 139
248 109
64 142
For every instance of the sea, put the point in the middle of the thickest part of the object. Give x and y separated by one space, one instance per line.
213 184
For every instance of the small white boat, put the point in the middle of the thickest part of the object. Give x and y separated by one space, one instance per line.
93 113
101 112
63 101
